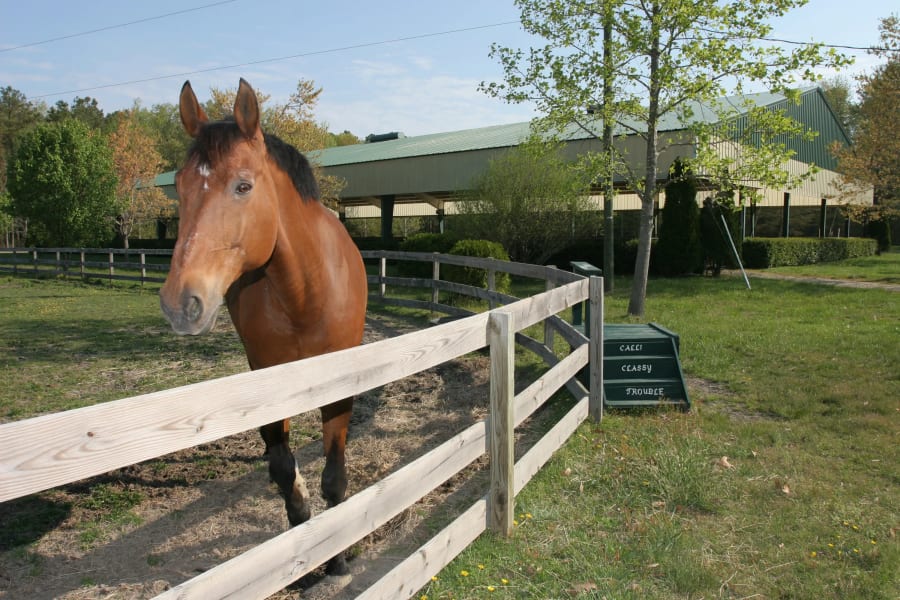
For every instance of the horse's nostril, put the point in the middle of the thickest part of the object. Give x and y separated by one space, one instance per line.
193 308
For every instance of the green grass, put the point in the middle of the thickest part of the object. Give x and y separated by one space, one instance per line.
799 391
884 268
66 344
800 395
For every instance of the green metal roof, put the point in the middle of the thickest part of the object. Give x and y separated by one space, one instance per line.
501 136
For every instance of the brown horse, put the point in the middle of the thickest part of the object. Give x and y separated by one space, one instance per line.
252 231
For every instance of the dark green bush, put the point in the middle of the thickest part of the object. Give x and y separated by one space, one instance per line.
626 255
762 253
880 230
678 250
474 276
423 242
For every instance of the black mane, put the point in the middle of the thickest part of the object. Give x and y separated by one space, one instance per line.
216 139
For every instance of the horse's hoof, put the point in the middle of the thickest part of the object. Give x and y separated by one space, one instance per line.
339 581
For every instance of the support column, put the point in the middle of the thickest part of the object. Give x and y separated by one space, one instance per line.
823 220
786 216
387 218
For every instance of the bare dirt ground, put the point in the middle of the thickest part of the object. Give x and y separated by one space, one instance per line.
135 532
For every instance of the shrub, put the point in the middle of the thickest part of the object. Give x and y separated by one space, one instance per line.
678 248
423 242
762 253
474 276
880 230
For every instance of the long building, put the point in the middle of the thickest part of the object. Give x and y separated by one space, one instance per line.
395 175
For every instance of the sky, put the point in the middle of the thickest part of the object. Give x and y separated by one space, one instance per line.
393 65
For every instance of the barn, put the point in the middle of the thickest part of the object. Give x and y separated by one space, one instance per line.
393 175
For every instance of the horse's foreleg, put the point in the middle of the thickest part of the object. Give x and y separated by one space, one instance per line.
335 420
283 471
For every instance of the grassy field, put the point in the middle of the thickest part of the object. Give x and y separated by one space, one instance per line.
782 483
884 268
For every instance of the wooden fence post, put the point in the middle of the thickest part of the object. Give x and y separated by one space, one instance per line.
595 351
501 498
112 269
435 276
143 268
382 273
548 328
492 286
81 269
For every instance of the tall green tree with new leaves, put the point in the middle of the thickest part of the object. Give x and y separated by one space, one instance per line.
61 179
530 200
666 55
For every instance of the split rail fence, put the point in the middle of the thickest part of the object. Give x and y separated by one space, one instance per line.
51 450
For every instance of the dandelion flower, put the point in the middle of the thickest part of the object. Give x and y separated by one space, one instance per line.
464 573
504 581
515 523
434 577
874 542
481 567
831 545
491 588
813 554
528 516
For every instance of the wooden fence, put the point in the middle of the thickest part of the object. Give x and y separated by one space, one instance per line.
46 451
112 264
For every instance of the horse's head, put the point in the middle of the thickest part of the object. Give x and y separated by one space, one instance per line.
228 211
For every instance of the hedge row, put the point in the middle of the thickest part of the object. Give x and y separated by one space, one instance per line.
762 253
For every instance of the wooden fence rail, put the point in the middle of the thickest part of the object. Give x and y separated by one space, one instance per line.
51 450
97 263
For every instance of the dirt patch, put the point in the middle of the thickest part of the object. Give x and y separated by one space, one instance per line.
137 531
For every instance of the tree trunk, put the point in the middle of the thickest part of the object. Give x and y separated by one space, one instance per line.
648 195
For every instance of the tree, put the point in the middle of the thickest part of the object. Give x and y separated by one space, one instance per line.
345 138
61 179
17 115
531 201
678 247
136 164
838 91
84 109
874 158
163 123
664 55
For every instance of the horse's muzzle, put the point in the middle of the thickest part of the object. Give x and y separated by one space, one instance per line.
189 314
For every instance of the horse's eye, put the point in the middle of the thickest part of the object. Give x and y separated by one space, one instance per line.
243 188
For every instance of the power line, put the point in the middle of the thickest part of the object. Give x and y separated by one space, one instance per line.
120 25
280 58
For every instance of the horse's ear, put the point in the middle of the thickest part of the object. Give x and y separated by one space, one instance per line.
246 111
192 115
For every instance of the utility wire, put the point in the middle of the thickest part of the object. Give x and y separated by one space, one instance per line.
280 58
108 27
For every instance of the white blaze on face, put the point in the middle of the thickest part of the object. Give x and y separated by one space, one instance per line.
204 172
